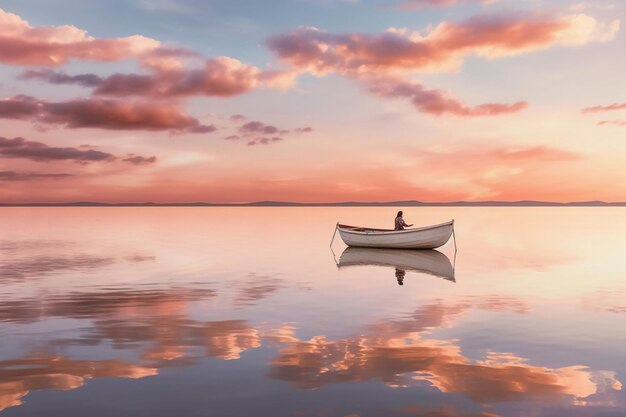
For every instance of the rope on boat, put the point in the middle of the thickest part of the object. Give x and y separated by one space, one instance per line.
331 241
454 237
455 250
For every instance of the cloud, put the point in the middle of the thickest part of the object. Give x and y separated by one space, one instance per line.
443 47
601 109
437 102
237 118
103 114
258 128
55 77
167 58
219 77
40 152
140 160
383 61
29 176
202 129
259 133
264 140
23 44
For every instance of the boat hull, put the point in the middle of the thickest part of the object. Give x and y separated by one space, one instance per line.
430 237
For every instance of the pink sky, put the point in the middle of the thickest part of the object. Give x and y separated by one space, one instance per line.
414 100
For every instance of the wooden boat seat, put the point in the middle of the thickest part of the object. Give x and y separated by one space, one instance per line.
362 229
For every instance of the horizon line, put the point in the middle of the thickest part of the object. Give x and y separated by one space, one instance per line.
269 203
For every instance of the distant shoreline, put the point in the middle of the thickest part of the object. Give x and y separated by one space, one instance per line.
411 203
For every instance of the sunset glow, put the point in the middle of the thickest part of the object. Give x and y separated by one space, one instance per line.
312 101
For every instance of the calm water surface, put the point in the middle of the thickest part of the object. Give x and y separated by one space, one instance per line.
247 312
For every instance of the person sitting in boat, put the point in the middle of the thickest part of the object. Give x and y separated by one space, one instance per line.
400 223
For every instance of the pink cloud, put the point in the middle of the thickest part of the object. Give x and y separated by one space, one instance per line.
219 77
139 160
437 102
381 60
37 151
102 114
222 77
261 133
445 46
23 44
258 128
168 58
601 109
20 148
30 176
264 140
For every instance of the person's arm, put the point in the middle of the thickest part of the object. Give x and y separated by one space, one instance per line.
406 225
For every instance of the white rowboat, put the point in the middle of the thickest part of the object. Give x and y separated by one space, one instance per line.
429 237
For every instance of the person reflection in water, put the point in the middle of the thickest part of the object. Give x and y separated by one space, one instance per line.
400 273
400 224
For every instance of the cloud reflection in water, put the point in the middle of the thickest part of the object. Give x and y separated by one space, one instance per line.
399 354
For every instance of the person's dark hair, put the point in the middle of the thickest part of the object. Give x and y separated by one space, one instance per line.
400 214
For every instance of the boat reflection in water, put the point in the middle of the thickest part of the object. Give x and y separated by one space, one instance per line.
429 262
